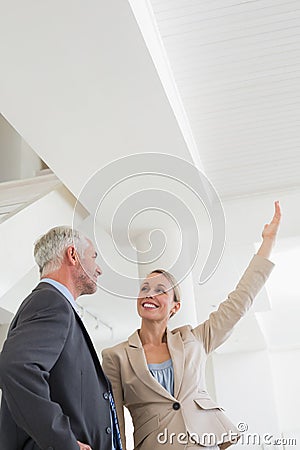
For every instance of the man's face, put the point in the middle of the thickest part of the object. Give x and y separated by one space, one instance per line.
88 271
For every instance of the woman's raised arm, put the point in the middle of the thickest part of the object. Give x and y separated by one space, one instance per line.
269 233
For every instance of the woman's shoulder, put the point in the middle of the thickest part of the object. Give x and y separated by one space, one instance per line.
184 330
114 349
121 347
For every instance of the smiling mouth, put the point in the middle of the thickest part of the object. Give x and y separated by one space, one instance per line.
148 305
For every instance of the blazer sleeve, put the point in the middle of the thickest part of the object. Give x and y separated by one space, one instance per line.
112 370
218 327
34 344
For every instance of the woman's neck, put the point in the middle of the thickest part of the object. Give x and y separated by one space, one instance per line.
153 333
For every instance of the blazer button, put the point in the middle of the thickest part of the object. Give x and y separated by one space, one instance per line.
105 395
176 406
108 430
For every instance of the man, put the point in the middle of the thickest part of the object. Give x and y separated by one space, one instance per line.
55 395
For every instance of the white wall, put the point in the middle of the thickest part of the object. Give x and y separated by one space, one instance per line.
31 163
286 375
17 159
10 148
19 233
107 303
245 388
3 333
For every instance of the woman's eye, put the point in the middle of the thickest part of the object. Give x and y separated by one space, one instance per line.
143 289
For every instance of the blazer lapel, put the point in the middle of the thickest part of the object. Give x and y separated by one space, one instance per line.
138 363
176 350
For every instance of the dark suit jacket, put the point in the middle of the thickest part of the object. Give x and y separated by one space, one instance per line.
53 387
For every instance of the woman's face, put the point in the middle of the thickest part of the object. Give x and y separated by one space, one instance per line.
156 298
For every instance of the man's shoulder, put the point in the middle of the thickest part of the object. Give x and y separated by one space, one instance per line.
43 287
44 295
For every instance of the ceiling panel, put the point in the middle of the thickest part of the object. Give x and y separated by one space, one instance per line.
237 68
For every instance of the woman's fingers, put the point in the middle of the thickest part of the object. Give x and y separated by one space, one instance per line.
270 230
84 446
277 214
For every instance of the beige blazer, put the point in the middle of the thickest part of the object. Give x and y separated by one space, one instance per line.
191 414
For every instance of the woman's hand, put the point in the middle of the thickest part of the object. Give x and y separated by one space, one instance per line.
83 446
269 233
270 229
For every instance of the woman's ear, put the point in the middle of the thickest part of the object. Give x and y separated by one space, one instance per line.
175 308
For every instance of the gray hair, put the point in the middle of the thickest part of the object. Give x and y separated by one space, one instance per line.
49 250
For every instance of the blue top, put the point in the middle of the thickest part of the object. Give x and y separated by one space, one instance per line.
164 374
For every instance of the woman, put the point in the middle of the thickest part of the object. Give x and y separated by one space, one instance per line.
159 375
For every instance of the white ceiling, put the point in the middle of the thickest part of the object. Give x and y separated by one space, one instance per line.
237 68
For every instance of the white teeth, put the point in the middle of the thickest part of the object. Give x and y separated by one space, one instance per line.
149 305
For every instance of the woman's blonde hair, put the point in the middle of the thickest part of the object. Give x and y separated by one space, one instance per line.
171 280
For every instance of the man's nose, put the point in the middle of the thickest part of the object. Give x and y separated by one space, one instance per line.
98 270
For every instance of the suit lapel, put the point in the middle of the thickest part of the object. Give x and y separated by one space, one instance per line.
176 350
138 363
89 342
93 352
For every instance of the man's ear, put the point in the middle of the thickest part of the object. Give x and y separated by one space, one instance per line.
72 255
